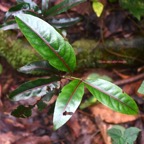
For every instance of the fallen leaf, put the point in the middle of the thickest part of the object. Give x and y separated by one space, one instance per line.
109 115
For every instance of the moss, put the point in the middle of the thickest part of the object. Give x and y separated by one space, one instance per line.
17 51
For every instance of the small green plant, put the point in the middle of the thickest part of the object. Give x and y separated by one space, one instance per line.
120 135
44 12
135 7
59 63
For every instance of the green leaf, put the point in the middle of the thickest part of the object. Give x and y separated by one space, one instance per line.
37 87
16 9
22 111
96 75
63 7
67 102
64 22
141 88
112 96
38 67
97 7
135 7
41 105
120 135
116 133
48 42
131 134
88 102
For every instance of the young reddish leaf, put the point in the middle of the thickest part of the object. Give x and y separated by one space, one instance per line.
67 102
112 96
47 41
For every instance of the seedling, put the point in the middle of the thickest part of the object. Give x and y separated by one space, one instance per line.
59 63
120 135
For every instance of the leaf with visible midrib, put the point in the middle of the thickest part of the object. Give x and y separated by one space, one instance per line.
67 102
37 87
47 41
112 96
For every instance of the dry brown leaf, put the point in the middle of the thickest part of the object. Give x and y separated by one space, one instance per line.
109 115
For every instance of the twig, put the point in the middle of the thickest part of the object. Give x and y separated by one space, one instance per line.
103 130
130 80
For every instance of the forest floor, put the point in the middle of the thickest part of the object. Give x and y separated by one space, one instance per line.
89 125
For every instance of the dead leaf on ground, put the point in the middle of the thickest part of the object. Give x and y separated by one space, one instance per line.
109 115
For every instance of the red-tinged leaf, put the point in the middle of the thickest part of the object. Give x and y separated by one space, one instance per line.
112 96
67 102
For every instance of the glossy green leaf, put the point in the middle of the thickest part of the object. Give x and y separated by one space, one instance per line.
63 7
37 87
97 75
141 88
38 67
48 42
67 102
112 96
98 8
130 135
22 111
64 22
